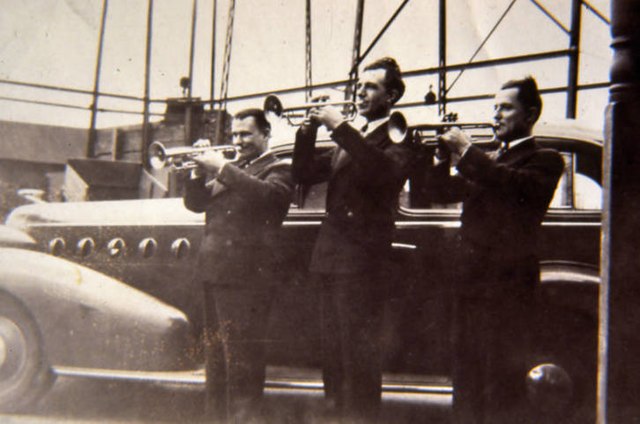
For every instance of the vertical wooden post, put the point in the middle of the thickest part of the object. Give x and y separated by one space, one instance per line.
619 364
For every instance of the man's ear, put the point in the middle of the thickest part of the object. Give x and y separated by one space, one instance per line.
393 96
533 115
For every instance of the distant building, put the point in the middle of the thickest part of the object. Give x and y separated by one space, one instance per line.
59 161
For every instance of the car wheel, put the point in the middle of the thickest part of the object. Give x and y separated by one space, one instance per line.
24 373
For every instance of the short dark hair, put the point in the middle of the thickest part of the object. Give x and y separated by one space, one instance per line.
258 115
393 75
528 93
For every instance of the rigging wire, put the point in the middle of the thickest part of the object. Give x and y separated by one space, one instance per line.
550 16
596 12
473 56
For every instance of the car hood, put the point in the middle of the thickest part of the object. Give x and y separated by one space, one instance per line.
112 212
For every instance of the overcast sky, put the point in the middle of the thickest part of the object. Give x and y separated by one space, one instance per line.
55 42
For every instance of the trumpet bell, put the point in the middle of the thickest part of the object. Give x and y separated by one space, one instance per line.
273 104
427 134
398 127
157 155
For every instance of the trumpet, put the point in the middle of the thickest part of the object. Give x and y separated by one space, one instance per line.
180 158
273 104
427 134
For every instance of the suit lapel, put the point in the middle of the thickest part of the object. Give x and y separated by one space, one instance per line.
519 152
377 138
216 187
259 164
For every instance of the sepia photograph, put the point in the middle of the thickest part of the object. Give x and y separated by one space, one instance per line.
319 211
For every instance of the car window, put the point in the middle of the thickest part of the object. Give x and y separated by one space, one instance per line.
311 198
577 189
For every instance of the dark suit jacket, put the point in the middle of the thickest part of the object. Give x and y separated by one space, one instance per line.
244 209
365 177
505 201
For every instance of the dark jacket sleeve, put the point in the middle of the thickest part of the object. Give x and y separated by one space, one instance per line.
442 187
538 176
377 165
196 195
308 166
276 188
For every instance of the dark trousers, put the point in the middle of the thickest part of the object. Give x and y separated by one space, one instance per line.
491 338
352 308
236 323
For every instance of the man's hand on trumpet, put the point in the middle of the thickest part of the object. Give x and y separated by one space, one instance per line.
454 143
209 161
329 116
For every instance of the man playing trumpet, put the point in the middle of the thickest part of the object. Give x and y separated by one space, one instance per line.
245 202
365 174
505 196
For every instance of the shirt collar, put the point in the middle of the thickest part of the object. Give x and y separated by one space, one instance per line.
372 125
515 142
264 154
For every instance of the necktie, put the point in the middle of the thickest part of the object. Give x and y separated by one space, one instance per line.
364 128
503 149
495 154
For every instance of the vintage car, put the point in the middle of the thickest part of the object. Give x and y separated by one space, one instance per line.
56 313
151 245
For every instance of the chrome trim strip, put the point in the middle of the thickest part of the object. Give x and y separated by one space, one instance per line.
111 224
404 246
301 223
197 378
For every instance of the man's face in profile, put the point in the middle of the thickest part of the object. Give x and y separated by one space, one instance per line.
374 100
513 120
249 138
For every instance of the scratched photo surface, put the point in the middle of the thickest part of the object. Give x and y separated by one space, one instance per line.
101 295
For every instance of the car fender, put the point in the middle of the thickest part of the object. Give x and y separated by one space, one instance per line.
566 338
572 286
88 319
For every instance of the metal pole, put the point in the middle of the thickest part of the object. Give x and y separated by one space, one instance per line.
224 85
188 117
574 58
442 59
308 51
147 69
213 53
96 84
380 34
619 361
350 92
192 46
